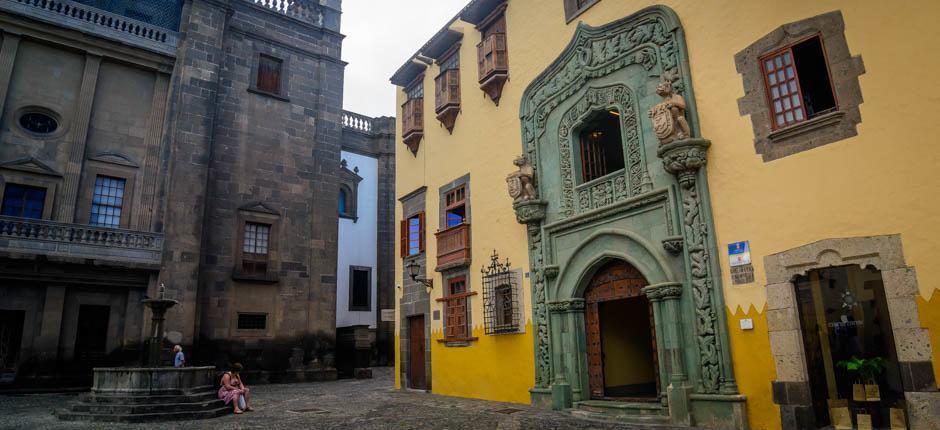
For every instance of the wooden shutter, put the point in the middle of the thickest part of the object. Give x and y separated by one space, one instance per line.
453 86
418 123
421 228
403 236
501 53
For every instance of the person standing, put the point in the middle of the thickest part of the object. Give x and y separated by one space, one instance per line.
180 359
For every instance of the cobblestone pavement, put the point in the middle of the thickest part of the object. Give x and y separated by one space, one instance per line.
344 404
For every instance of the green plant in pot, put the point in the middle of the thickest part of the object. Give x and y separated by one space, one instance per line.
867 371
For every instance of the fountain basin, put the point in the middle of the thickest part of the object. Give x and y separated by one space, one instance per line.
153 380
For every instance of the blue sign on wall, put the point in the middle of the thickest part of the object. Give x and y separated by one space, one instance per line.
739 253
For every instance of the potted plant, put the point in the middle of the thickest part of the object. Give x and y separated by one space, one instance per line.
867 370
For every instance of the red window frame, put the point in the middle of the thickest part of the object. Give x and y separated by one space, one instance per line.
457 310
785 101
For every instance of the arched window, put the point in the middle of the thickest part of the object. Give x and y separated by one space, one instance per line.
342 202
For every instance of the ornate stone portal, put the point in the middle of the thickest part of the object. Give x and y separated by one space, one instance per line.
654 214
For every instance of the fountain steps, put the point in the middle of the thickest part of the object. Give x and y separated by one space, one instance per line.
133 409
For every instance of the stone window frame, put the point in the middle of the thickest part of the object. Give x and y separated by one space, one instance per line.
259 213
368 306
93 169
791 389
266 332
285 74
572 10
844 72
349 181
463 181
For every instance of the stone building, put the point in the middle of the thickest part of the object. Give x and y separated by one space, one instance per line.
190 143
717 206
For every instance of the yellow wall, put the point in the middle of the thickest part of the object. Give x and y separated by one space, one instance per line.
880 182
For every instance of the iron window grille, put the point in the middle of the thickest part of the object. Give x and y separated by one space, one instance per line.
252 321
501 305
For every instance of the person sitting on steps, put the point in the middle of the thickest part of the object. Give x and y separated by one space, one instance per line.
233 390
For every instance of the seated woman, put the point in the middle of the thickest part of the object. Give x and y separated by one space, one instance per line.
233 390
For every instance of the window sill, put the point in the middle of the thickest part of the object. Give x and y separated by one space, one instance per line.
267 94
352 217
257 278
817 123
458 342
360 309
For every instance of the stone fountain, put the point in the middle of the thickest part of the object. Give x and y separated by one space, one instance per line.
156 392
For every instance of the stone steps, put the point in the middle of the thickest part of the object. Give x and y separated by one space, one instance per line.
135 409
97 407
653 414
200 396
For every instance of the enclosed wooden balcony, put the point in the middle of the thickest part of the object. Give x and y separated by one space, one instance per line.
412 123
447 97
453 247
493 62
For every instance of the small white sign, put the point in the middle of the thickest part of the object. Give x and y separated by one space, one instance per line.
739 253
747 324
388 315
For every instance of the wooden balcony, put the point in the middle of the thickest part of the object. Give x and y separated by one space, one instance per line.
493 62
453 247
79 243
447 97
412 123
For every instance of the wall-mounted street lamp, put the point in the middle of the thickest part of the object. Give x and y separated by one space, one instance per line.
414 270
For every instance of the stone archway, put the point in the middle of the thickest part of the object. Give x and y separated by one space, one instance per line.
914 351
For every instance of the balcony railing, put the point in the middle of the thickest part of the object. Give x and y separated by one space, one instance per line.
98 22
453 247
355 121
80 242
304 10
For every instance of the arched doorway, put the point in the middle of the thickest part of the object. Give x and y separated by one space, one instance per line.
621 340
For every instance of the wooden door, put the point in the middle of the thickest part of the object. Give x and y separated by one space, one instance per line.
616 280
416 375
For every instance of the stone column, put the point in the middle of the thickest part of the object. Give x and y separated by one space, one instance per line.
665 298
684 159
11 43
47 345
568 384
73 170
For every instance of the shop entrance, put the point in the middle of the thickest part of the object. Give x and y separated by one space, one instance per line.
621 341
850 351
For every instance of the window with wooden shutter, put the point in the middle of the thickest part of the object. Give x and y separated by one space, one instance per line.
412 235
798 83
269 74
493 54
457 310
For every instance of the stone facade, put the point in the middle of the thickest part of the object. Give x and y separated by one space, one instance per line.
177 113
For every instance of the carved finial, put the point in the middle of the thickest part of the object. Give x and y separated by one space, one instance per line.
356 169
343 164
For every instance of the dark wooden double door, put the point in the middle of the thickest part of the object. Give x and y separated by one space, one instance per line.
617 308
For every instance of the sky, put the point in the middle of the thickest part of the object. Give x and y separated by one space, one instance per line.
380 36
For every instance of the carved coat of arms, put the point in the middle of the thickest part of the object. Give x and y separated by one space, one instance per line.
663 124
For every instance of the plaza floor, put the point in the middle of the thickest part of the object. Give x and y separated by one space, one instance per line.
344 404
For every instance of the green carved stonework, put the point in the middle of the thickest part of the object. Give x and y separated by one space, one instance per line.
654 214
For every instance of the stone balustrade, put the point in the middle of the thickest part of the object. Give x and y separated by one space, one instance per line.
91 20
358 122
80 242
304 10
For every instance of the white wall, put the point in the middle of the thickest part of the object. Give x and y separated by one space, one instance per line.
357 242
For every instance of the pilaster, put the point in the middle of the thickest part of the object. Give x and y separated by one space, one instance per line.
148 181
73 170
47 345
11 43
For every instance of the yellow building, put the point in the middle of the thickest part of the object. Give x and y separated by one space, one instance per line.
730 201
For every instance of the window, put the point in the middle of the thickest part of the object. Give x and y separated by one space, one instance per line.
360 288
38 122
269 74
794 102
455 209
573 8
456 310
601 147
412 235
252 321
797 82
342 202
500 297
23 201
255 248
107 202
493 54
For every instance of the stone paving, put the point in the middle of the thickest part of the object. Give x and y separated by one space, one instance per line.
352 404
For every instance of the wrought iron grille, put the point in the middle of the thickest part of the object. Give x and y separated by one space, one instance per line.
162 13
501 301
